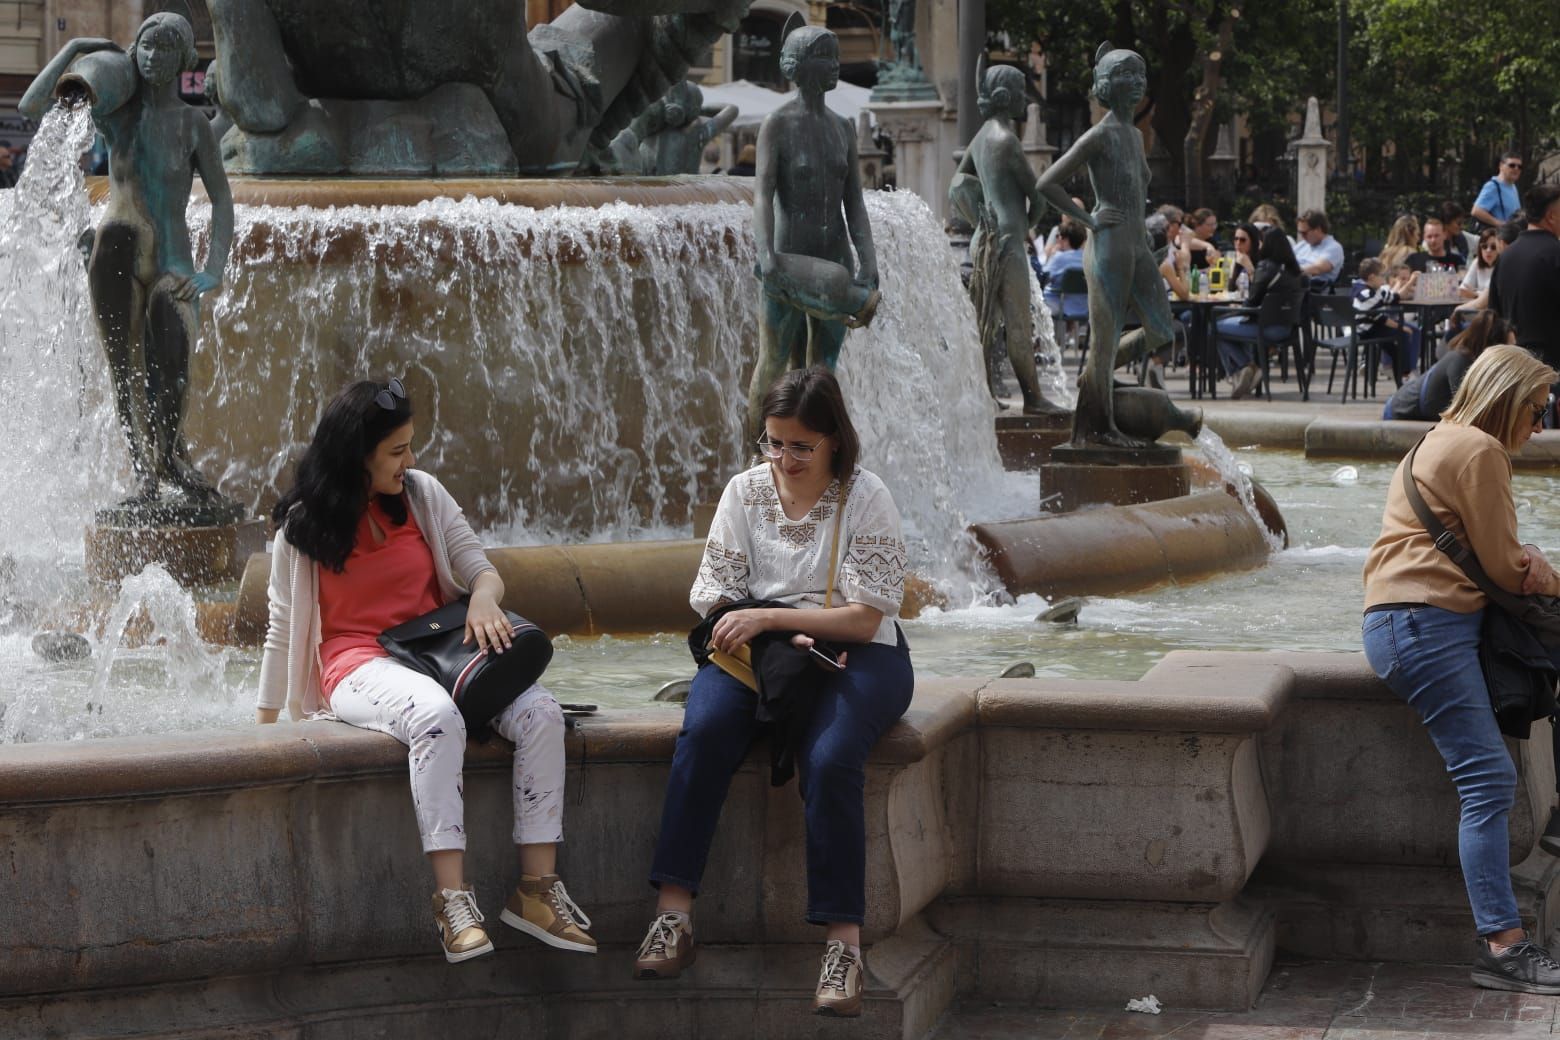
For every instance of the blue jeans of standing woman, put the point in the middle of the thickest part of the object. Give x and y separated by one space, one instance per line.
1430 658
855 708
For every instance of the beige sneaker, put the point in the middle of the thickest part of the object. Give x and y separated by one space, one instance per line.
460 925
839 984
668 947
540 907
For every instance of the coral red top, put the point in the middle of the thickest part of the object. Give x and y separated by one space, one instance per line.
382 585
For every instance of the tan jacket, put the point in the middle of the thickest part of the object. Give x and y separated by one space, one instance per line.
290 663
1464 475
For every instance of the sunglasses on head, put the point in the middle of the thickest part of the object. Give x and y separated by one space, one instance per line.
386 398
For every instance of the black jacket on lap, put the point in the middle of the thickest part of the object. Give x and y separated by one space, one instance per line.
788 682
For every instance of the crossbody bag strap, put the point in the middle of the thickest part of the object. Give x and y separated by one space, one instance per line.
834 544
1450 544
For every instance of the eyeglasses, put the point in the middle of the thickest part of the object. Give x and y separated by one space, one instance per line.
1513 166
1538 411
1243 238
386 398
800 452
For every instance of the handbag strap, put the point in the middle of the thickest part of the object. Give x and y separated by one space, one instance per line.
834 543
1450 544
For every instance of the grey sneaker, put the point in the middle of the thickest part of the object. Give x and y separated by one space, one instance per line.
1523 968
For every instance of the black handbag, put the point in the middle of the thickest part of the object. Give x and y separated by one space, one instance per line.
482 684
1517 633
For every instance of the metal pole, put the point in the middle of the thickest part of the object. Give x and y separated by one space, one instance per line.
972 44
1343 88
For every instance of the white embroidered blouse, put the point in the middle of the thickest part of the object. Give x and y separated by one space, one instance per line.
755 551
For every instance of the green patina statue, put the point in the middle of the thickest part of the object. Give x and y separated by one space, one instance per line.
1119 265
808 213
144 285
435 88
669 137
996 191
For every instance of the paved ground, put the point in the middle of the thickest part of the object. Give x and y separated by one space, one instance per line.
1329 1000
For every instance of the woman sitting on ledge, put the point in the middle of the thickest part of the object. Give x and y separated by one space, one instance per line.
365 543
776 535
1422 626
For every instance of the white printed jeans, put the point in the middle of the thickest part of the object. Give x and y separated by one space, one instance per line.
386 696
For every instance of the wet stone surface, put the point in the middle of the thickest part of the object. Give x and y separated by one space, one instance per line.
1330 1000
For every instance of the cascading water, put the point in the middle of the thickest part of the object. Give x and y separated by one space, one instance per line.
1233 474
64 455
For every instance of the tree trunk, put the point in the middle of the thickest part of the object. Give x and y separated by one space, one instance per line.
1192 148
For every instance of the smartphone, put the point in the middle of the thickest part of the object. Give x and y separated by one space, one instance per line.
821 658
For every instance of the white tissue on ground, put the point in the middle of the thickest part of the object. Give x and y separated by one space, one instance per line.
1148 1005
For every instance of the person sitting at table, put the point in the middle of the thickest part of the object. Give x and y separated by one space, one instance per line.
1477 279
1266 216
1319 255
1053 238
1457 234
1374 318
1277 271
1424 398
1244 256
1437 253
1402 242
1067 258
1197 238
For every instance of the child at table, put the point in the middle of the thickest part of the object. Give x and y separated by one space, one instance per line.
1374 318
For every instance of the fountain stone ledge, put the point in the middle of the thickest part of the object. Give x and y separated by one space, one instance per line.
1031 841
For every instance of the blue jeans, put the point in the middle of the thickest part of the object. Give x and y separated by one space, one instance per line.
855 708
1430 658
1238 341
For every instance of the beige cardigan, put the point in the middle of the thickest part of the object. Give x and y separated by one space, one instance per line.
290 663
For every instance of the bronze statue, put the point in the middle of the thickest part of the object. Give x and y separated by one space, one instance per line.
808 213
995 190
1120 268
434 88
669 136
144 285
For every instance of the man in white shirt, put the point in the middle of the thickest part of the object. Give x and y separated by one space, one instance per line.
1319 255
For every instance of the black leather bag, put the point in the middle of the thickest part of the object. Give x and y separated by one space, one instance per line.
482 684
1517 633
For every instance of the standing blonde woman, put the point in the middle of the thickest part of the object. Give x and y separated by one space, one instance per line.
1422 624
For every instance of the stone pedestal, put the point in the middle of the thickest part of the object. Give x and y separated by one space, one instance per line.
918 162
1311 160
1038 150
1025 441
195 556
1076 477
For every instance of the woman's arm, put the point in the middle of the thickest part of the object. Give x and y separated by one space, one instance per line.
852 623
1052 182
1489 513
764 197
485 619
208 163
274 655
1175 281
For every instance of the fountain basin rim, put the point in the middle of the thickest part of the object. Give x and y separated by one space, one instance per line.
1174 695
537 193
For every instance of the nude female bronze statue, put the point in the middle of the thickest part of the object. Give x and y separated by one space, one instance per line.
997 193
1122 275
144 285
808 215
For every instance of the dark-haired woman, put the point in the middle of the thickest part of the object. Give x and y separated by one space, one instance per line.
365 543
1424 398
771 539
1277 272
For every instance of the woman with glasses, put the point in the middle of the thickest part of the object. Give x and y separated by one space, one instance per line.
1247 237
1422 623
364 543
1477 279
774 539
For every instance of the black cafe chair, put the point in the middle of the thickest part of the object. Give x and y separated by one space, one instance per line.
1277 308
1335 327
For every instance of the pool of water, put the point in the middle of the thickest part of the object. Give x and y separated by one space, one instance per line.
1307 598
